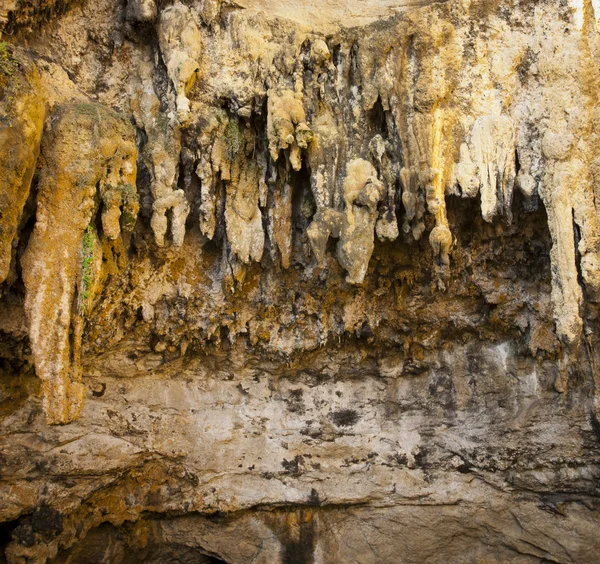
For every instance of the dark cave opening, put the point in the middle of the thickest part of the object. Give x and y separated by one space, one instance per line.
117 545
6 529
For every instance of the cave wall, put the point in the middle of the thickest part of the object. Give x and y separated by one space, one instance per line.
317 288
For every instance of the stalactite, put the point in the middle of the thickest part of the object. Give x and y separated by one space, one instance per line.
379 126
88 146
22 113
180 42
285 281
161 153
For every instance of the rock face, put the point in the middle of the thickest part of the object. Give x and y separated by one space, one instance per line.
313 284
89 159
20 135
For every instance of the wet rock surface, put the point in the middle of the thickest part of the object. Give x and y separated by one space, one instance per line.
289 290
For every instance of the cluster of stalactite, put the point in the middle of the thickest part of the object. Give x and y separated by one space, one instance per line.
386 125
382 123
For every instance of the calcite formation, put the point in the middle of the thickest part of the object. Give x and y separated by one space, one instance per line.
89 154
362 192
23 111
161 155
308 282
180 44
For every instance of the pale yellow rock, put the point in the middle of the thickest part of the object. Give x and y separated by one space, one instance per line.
87 145
329 15
566 292
362 192
286 126
326 223
281 214
493 150
22 112
233 424
161 154
242 214
141 10
213 165
181 48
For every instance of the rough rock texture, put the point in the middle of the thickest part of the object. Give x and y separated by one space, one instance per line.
300 283
89 154
22 111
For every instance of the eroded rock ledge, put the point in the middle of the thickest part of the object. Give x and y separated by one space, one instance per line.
260 263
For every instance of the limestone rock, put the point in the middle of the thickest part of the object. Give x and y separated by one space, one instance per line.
87 146
493 142
161 154
242 214
181 49
326 274
286 127
141 10
22 108
362 193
